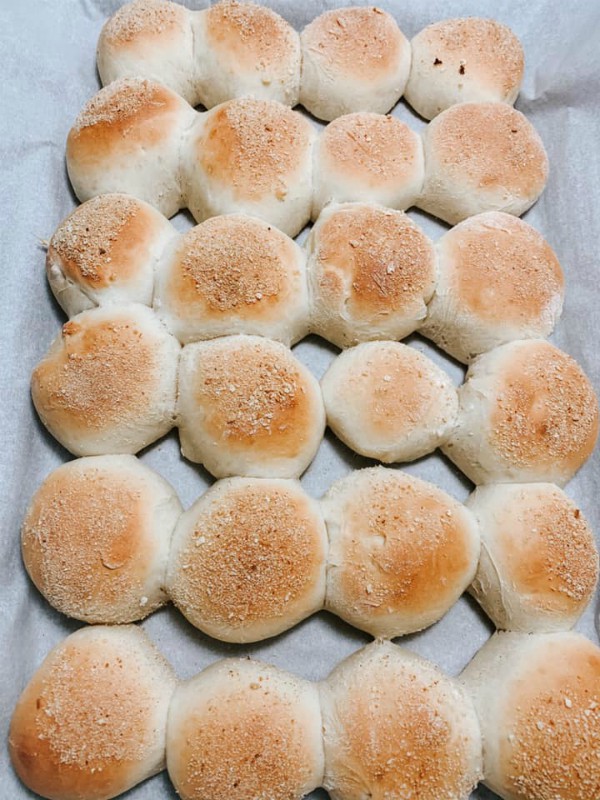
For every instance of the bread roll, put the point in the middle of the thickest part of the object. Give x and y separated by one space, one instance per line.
96 538
105 252
243 49
527 413
396 727
241 730
253 157
538 701
108 382
371 272
499 280
369 158
388 401
248 407
401 551
248 559
150 39
128 139
353 59
481 157
233 274
539 563
470 60
91 722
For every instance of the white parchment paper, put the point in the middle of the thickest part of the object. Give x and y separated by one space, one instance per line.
47 53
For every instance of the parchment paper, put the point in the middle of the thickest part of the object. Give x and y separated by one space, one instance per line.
47 51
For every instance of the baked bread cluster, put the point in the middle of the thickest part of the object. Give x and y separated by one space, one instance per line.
365 273
346 60
259 157
104 711
193 330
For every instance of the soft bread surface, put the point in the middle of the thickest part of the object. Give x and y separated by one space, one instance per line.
96 536
481 157
388 401
105 252
248 407
538 701
128 138
396 727
248 559
243 729
401 551
353 59
254 157
371 271
539 563
91 722
233 274
108 383
463 61
367 157
527 413
243 49
499 280
150 39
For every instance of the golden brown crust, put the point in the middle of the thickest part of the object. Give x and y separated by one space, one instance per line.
249 34
549 552
363 44
545 411
502 270
482 50
254 148
86 541
87 721
104 240
147 21
553 722
489 146
254 396
255 553
404 546
379 151
395 732
128 114
240 741
232 264
100 375
380 258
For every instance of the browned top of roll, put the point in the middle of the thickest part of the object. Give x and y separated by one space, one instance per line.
363 43
253 554
127 114
254 395
85 537
96 242
254 147
378 150
249 34
484 47
546 409
407 544
88 718
96 376
244 738
490 145
144 20
548 548
387 259
554 719
230 264
503 270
